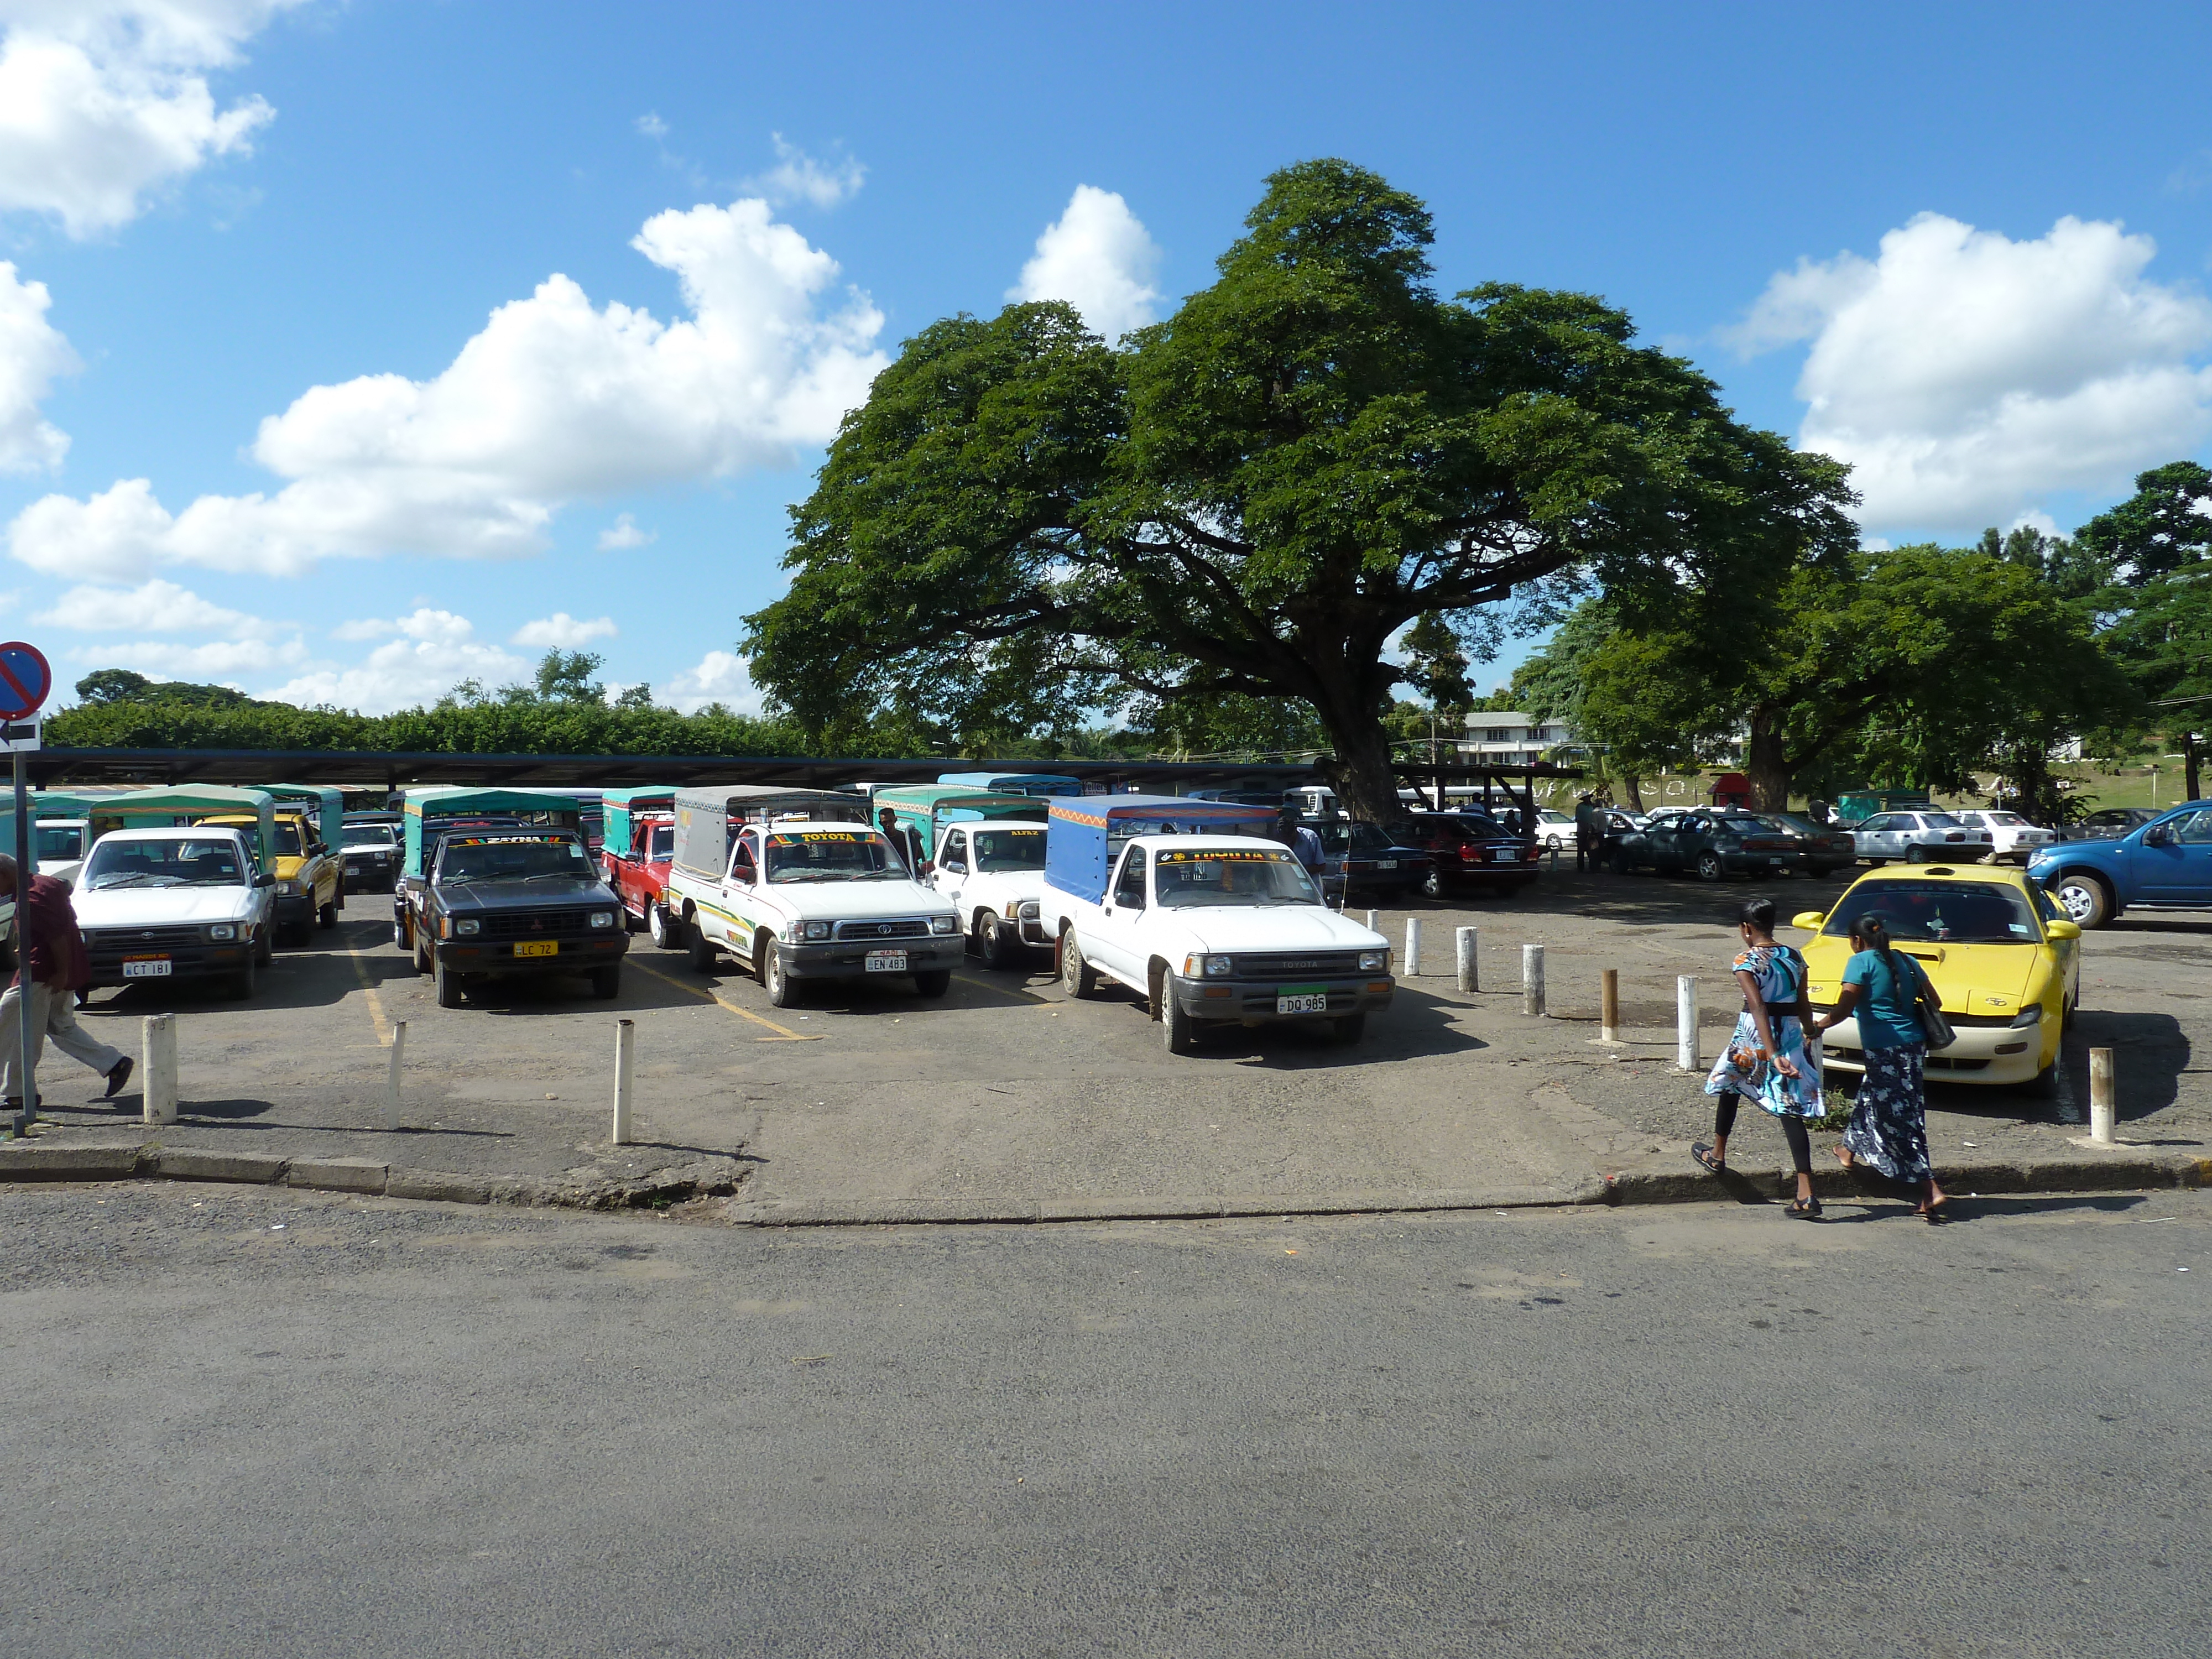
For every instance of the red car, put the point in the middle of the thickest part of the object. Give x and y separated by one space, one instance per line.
639 872
1468 850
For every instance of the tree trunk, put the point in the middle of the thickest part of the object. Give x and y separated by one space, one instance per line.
1633 787
1767 763
1366 786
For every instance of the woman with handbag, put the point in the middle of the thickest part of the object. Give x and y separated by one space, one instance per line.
1768 1060
1893 1000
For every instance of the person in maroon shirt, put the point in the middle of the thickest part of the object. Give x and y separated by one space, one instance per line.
57 966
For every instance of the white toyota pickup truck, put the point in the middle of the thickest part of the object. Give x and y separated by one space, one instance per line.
1187 903
185 904
795 885
992 875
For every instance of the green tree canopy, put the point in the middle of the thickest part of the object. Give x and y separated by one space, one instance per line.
1252 497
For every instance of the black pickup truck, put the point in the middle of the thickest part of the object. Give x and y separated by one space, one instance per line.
506 903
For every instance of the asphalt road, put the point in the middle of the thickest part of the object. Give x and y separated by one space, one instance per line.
241 1421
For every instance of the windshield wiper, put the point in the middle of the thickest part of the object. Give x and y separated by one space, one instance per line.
134 878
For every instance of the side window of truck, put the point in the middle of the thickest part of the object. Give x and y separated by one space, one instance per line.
953 854
1129 891
743 865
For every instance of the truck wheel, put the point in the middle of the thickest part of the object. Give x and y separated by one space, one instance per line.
1348 1028
935 983
1176 1027
656 926
241 983
1080 978
1709 867
782 993
699 949
264 948
606 982
448 985
328 916
2087 901
989 944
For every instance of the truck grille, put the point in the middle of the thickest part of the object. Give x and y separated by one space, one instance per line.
1272 966
537 922
127 939
897 927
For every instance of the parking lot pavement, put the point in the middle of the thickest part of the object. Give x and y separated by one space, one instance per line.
1005 1090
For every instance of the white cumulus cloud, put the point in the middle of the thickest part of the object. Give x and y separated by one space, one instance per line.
798 177
32 353
1099 258
153 607
224 662
554 399
1964 374
564 631
622 533
424 655
103 102
720 677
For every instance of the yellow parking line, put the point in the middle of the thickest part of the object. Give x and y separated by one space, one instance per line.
783 1033
375 1002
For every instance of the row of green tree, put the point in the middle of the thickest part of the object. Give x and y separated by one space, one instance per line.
1916 666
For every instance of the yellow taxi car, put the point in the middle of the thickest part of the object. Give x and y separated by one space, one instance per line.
310 877
2003 959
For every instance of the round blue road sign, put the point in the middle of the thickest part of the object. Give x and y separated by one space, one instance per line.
24 679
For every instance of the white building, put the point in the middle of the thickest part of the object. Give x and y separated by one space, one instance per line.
1506 737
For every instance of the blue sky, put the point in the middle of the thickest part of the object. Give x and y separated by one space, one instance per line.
1966 248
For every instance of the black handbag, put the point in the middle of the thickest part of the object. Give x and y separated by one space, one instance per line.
1933 1028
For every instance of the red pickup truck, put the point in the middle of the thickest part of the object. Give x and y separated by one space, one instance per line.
639 871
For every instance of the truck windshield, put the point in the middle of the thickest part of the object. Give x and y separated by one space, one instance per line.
174 861
664 845
369 835
1221 875
512 858
1940 912
59 842
1008 849
831 855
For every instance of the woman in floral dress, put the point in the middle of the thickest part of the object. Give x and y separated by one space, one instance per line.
1769 1059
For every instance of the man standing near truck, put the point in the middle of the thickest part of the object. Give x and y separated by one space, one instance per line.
55 967
906 840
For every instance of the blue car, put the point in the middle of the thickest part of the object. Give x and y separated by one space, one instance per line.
2164 865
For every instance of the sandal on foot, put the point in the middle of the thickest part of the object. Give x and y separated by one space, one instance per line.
1804 1209
1704 1154
1936 1215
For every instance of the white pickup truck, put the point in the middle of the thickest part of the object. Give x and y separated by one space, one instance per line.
185 904
992 875
796 886
1187 904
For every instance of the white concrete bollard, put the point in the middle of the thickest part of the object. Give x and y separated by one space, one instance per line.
2102 1113
1532 979
1685 1023
392 1077
1470 964
157 1063
1413 946
1371 927
625 1031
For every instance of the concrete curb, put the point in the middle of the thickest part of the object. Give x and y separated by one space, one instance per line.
33 1161
928 1212
2123 1170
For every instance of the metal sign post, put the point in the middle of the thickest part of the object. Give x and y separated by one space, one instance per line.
25 677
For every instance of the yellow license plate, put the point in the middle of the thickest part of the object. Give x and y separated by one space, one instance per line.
538 947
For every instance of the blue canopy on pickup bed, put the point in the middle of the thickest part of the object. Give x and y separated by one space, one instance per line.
1085 833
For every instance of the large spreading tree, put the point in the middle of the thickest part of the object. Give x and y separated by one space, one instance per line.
1023 524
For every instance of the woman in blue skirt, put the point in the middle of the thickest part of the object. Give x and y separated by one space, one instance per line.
1769 1059
1888 1130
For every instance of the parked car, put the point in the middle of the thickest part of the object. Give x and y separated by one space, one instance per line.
1555 830
1918 838
310 880
637 870
514 904
1469 851
175 903
2005 966
1367 858
1711 841
1827 848
370 851
2013 839
2111 821
2164 865
991 871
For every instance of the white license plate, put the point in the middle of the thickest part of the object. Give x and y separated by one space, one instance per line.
1301 1002
146 968
887 961
1386 864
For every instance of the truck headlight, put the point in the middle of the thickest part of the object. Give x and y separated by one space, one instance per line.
602 918
1195 966
945 923
1029 910
287 889
222 930
814 930
1374 961
2031 1015
468 927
